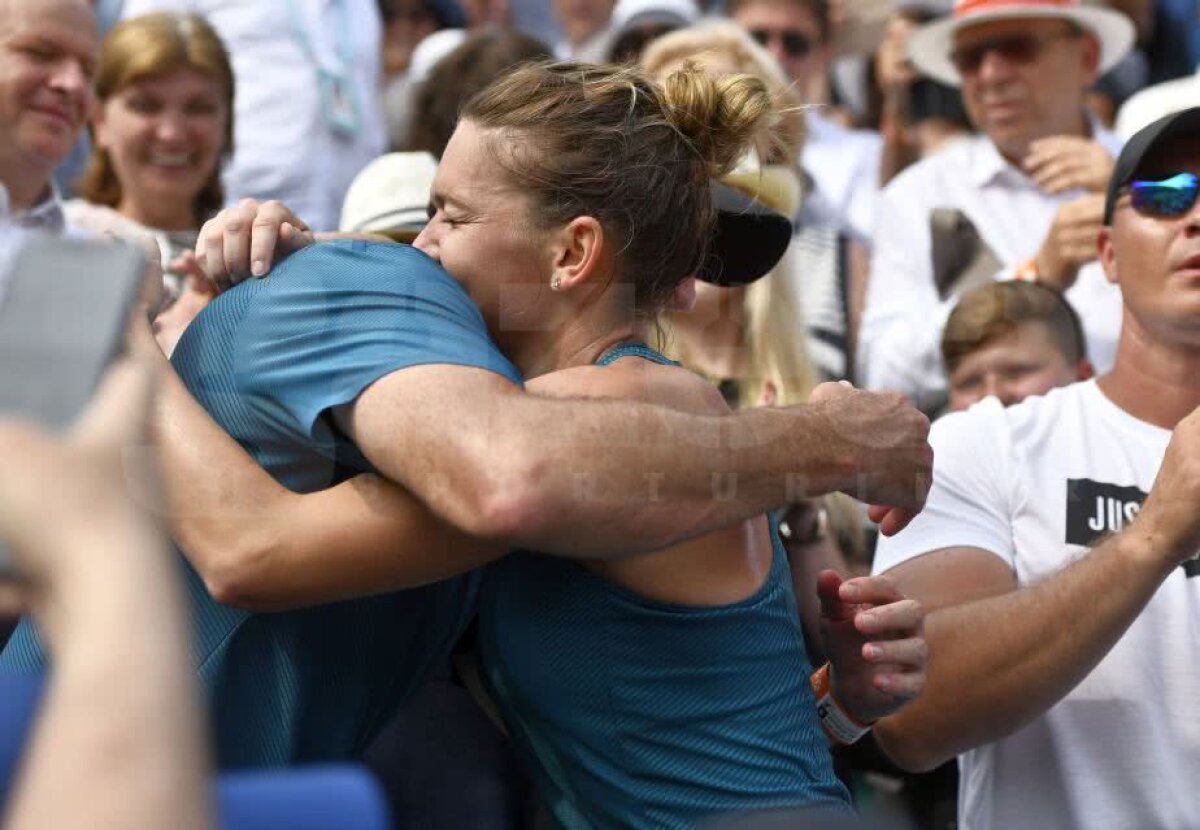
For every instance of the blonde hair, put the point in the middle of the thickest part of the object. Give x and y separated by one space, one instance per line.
144 47
606 142
776 353
783 142
992 310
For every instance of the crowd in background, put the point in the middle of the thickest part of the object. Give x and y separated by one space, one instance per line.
980 213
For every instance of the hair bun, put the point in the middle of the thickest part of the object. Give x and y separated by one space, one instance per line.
722 117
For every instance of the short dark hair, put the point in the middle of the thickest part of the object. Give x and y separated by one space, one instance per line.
989 311
456 78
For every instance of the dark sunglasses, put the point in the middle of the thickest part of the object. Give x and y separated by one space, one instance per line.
1019 47
1168 197
795 44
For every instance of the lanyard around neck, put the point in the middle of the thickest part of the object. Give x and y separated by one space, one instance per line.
301 30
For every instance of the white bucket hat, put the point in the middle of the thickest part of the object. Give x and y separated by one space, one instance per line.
628 14
930 46
390 195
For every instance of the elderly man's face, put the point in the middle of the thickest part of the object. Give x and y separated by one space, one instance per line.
47 57
1024 79
1156 259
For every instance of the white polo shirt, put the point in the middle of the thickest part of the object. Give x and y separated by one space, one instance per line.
899 344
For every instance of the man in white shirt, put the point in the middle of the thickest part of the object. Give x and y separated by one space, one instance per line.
1067 529
842 163
1025 195
47 57
307 110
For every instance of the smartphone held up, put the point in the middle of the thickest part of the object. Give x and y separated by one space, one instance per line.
64 308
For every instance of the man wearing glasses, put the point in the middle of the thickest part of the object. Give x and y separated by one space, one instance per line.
842 163
1068 528
1023 199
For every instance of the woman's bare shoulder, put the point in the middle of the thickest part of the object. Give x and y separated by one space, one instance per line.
633 378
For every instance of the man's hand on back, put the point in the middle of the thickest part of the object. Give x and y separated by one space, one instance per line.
245 241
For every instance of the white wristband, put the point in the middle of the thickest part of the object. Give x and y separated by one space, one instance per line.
841 728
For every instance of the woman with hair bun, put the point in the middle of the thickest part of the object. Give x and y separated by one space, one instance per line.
657 689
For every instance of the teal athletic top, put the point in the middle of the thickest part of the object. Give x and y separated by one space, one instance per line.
634 713
269 360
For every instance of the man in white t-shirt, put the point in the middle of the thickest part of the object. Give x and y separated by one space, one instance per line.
1057 553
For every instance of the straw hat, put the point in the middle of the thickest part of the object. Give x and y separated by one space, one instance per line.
930 46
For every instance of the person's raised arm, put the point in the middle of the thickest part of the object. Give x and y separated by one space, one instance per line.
120 739
262 547
999 661
615 477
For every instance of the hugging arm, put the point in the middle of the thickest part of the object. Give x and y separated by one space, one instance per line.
263 547
598 477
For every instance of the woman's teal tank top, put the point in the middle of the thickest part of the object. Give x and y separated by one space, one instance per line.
633 713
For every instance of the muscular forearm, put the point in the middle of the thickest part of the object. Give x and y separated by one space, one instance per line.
608 477
223 507
649 477
999 662
263 547
363 537
120 741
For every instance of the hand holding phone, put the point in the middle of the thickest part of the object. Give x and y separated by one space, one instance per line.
64 308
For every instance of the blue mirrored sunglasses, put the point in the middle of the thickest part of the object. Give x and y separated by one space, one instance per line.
1173 196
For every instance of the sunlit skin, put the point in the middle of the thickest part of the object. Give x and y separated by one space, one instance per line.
48 54
164 135
1021 362
1156 262
1015 103
778 16
479 229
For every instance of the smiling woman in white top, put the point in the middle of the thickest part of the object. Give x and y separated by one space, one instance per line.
162 126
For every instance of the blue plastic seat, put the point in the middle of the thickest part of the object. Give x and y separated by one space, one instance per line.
343 797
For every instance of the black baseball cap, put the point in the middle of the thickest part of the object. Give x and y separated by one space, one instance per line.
749 240
1144 143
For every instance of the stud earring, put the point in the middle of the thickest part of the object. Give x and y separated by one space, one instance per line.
555 284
